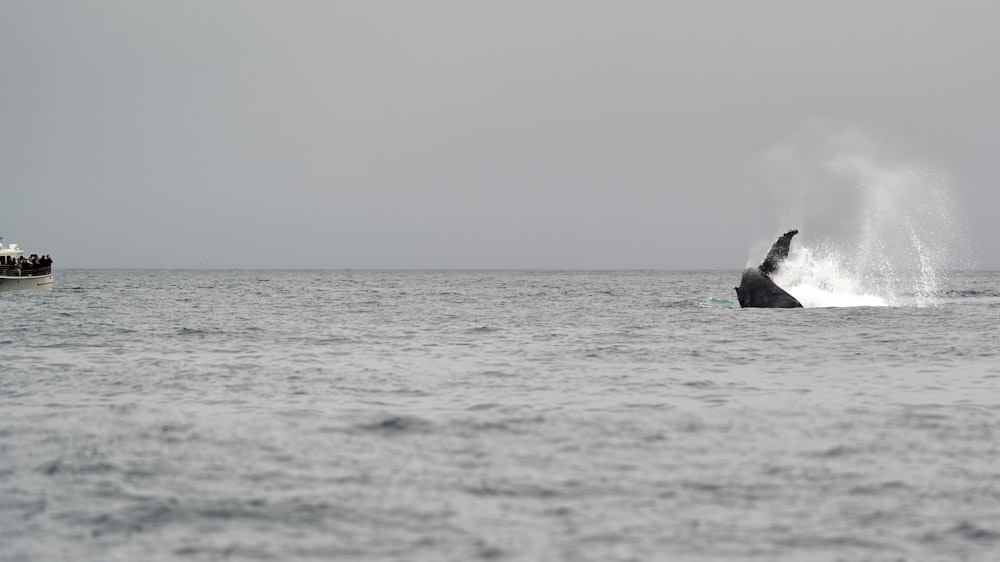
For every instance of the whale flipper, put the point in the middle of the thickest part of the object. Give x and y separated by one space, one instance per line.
777 253
756 287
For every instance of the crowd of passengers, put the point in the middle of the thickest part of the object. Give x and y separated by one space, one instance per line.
34 261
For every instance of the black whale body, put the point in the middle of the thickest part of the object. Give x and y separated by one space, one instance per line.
756 287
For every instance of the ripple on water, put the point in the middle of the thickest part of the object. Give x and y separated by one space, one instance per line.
491 415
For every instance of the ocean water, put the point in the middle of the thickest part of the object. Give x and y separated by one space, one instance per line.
495 415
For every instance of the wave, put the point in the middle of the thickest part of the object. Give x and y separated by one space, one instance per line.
711 302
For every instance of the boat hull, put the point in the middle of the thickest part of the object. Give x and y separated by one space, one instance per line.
8 283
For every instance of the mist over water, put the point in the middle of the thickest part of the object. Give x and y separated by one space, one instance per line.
876 228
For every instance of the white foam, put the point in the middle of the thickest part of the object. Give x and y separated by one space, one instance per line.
823 282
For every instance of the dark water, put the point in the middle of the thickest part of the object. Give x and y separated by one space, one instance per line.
161 415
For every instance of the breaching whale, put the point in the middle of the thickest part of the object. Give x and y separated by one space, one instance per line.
756 287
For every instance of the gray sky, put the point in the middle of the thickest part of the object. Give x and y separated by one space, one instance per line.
462 134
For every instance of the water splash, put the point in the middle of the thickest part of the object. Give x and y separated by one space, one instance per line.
888 228
822 279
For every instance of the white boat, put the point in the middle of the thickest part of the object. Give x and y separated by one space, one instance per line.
15 274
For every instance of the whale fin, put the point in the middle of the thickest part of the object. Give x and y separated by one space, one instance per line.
778 253
757 289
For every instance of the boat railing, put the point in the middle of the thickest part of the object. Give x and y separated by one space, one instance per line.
14 271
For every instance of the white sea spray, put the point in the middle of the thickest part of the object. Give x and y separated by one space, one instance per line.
877 228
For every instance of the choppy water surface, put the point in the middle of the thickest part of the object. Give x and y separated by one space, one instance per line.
160 415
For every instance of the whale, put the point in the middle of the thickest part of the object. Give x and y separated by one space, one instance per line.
757 289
